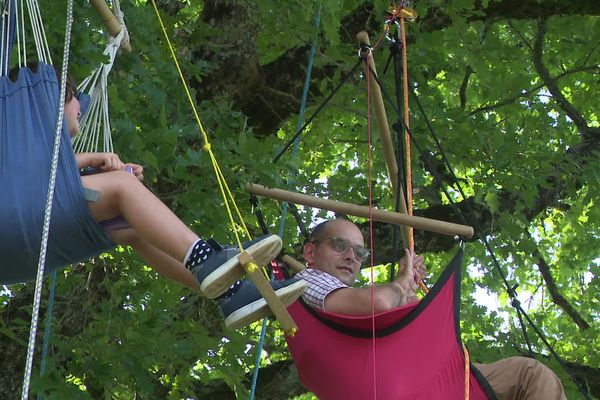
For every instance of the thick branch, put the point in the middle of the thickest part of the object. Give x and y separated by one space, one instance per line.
550 83
557 297
529 92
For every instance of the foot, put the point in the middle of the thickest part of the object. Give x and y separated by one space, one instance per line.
222 268
246 305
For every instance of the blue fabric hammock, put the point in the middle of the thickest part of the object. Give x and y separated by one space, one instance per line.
28 115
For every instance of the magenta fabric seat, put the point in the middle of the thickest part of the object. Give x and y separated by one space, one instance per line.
417 352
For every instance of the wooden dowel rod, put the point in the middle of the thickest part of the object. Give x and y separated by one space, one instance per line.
384 130
426 224
294 264
278 309
108 19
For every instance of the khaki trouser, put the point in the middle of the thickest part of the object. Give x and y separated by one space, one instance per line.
521 378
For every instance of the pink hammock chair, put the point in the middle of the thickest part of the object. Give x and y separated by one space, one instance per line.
418 351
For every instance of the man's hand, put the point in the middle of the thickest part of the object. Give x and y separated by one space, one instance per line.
412 269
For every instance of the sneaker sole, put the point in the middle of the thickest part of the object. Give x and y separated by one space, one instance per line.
231 271
259 309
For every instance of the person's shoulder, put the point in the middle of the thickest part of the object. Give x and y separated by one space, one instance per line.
313 272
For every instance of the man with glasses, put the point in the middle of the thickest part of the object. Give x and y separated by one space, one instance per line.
334 254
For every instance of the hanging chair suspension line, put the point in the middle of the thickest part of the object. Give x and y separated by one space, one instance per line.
311 57
256 273
48 210
321 106
417 146
95 124
41 43
372 259
207 147
511 290
408 168
384 129
48 328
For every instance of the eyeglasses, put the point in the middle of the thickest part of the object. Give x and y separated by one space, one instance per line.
342 245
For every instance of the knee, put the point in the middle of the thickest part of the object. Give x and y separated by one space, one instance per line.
124 180
118 183
534 369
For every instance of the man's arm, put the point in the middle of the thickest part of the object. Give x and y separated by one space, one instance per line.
362 301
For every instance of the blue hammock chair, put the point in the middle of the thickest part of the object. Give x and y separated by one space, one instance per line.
28 114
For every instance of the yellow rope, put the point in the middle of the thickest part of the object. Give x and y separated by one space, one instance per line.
225 191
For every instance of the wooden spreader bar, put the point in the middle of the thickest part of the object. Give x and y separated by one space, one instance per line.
426 224
264 287
109 20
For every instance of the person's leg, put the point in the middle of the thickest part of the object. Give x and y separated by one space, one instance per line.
122 193
163 234
240 306
160 261
522 378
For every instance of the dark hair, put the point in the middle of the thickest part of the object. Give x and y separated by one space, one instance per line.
317 230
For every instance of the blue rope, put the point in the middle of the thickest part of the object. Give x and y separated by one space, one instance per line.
311 57
48 328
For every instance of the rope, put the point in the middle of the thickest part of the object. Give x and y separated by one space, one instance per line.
48 328
408 166
48 210
372 260
311 57
510 290
95 124
321 106
223 187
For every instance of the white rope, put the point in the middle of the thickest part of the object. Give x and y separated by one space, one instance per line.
39 34
95 125
5 29
48 210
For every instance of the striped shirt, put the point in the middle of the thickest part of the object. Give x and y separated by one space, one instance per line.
320 284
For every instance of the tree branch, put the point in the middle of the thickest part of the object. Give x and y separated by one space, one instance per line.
528 92
557 297
550 83
464 85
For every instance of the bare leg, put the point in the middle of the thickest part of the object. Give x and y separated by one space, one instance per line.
160 261
122 194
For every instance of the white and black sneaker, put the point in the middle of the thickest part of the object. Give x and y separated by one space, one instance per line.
246 305
222 269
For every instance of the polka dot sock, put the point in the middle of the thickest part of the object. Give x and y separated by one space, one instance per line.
198 253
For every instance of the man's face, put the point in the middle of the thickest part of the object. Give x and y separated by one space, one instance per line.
323 254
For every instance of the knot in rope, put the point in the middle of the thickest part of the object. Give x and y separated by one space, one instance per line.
206 147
